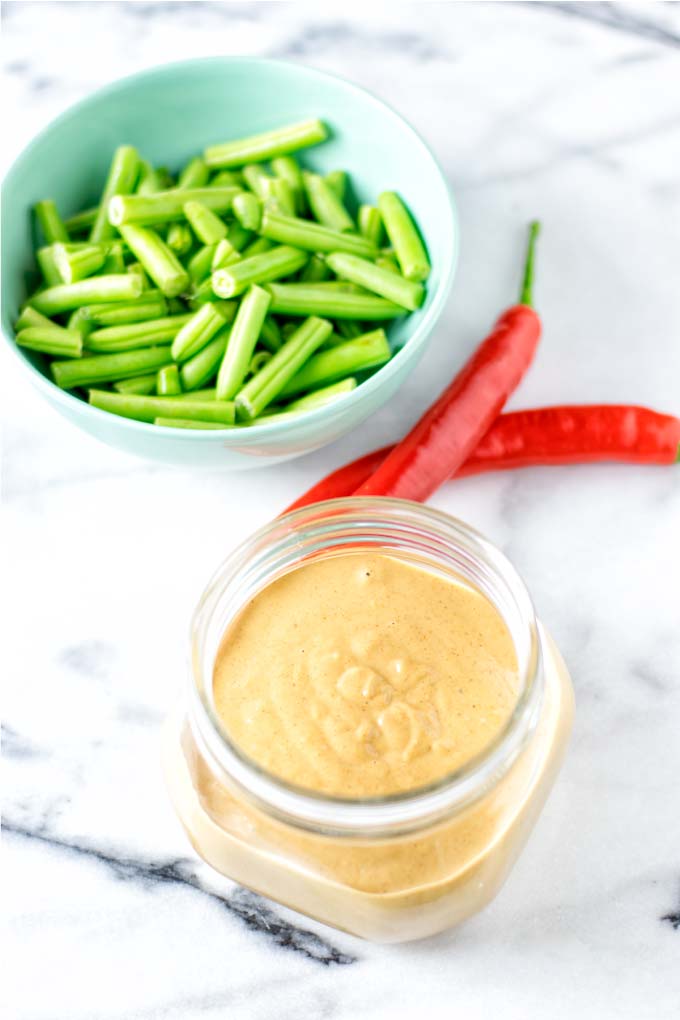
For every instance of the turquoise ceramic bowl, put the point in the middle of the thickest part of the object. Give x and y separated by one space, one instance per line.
172 112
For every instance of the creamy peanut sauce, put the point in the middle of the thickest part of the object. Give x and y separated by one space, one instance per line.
364 674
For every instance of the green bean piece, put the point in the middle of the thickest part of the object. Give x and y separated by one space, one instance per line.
242 342
114 261
166 206
258 361
312 236
316 270
208 227
151 305
264 387
371 224
162 265
367 351
203 394
120 181
149 408
150 180
189 423
78 320
325 204
287 168
268 145
270 334
388 263
348 329
200 369
248 210
225 254
280 196
51 223
81 222
137 269
238 236
48 267
142 385
200 264
272 265
406 293
256 178
51 340
179 238
289 328
77 265
337 181
30 318
315 299
404 237
323 396
202 295
102 368
167 383
257 247
227 179
194 175
132 335
93 290
197 331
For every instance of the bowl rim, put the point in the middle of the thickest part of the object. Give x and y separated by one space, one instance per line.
417 339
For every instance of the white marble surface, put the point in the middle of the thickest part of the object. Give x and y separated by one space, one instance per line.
567 111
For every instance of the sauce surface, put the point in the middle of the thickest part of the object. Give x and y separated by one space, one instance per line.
364 674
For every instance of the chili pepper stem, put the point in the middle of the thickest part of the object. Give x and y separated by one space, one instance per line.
526 294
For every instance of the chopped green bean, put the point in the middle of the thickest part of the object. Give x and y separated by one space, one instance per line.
404 237
257 247
325 204
166 206
51 340
194 175
131 335
151 305
256 178
48 267
79 321
242 342
167 383
102 368
227 179
270 335
280 195
238 236
142 385
150 180
264 387
51 223
77 265
202 394
200 264
30 318
315 299
387 263
80 222
189 423
367 351
371 224
272 265
269 144
160 263
323 396
312 236
114 262
287 168
179 238
197 331
93 290
348 329
148 408
406 293
137 269
203 367
208 227
225 254
248 210
120 181
337 181
258 361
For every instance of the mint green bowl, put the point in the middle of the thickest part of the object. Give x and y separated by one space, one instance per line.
172 112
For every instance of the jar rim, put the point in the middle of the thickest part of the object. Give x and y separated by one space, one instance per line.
285 543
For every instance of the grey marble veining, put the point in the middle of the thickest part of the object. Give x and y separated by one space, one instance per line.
565 111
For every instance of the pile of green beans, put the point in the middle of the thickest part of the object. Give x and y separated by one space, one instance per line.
246 290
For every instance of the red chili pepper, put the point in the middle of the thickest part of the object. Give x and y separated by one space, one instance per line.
547 435
451 429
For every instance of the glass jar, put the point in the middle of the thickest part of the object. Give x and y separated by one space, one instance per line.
388 868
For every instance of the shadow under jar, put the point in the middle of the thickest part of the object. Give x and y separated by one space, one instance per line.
390 868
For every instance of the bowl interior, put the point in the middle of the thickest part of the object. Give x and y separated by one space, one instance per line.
172 112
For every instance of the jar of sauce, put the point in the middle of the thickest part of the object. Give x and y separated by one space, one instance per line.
373 721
